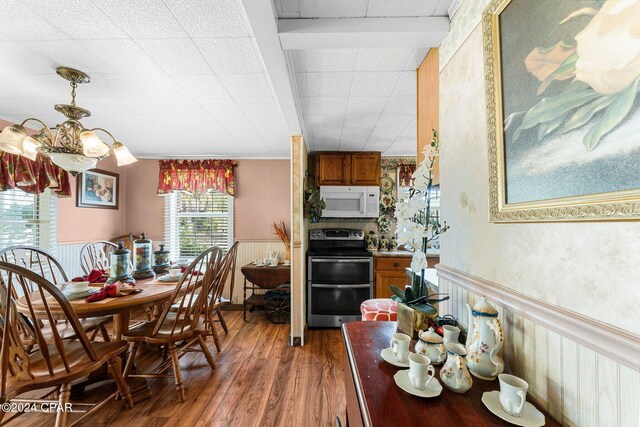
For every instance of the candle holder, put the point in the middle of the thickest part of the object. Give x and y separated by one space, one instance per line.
161 261
142 258
120 265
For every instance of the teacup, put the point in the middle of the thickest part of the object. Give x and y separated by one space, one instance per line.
274 262
175 272
76 287
451 333
513 394
400 346
287 262
421 371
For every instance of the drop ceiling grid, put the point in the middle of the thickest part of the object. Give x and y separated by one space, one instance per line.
369 121
126 49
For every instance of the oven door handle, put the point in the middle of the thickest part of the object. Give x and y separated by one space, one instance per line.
341 260
356 286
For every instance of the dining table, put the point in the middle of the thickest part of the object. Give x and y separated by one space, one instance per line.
153 293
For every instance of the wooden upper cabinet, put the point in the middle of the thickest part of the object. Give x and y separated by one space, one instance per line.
344 168
333 168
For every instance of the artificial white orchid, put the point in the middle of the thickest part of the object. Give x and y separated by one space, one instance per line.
419 261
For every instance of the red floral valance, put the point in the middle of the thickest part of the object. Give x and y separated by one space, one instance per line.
33 176
197 176
405 174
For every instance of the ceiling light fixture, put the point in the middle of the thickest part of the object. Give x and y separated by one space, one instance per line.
69 144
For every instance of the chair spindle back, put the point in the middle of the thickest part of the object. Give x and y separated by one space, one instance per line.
95 255
36 260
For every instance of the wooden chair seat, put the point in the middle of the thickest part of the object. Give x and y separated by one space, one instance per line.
91 324
171 327
77 360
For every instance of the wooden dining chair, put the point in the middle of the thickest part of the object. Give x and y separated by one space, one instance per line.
226 274
52 364
47 266
180 320
95 255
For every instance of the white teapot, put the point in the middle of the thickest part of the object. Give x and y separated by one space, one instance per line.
430 344
485 338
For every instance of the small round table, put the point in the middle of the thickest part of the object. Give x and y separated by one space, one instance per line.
264 278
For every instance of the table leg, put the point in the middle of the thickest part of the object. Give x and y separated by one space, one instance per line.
120 325
244 301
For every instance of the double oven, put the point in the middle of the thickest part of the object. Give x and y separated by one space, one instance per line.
339 276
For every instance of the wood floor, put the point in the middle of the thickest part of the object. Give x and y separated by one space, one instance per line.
259 381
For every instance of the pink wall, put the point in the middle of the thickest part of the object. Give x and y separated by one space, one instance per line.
262 198
77 225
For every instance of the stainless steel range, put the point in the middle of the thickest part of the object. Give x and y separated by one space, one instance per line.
339 276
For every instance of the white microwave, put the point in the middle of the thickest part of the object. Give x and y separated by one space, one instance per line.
350 202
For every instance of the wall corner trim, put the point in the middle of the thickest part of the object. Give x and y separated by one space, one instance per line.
608 340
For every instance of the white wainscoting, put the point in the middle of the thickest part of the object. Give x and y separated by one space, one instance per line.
568 375
69 257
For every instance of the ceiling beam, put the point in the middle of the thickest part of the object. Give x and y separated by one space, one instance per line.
262 18
362 32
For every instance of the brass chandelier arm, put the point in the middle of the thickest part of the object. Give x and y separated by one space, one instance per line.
113 138
44 126
71 139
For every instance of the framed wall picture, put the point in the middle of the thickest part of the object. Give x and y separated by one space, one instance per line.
97 189
562 84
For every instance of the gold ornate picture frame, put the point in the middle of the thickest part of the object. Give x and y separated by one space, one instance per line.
623 204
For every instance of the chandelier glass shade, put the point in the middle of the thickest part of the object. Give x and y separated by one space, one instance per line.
69 144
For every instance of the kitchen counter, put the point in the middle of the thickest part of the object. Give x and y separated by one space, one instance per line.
401 253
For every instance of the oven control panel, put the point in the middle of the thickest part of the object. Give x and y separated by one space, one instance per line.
336 234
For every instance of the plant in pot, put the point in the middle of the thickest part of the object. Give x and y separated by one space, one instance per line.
416 229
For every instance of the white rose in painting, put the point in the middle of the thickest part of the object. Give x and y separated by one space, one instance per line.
609 47
419 261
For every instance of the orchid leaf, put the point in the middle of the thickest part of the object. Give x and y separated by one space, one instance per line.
434 300
408 294
396 298
612 116
427 309
417 300
586 112
398 292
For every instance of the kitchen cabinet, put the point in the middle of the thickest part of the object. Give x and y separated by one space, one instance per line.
345 168
390 270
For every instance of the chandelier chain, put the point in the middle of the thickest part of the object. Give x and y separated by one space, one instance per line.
74 85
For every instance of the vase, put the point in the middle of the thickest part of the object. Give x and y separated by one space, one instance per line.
411 321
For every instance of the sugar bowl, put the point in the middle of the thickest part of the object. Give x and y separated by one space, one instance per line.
431 344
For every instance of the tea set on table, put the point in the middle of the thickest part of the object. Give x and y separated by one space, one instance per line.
272 261
479 357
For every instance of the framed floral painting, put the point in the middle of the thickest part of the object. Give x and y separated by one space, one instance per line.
562 80
97 189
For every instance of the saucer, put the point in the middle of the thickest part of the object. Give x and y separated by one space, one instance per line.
433 389
387 355
169 279
530 417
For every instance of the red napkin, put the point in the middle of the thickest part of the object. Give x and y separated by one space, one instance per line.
96 276
109 291
194 272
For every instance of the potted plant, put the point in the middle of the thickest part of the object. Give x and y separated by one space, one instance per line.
416 229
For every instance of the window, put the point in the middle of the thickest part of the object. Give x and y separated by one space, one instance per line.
27 219
193 223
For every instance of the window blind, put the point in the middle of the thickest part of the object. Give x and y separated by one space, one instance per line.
28 219
193 223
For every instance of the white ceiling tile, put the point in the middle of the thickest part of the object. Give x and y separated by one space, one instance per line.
203 86
333 8
225 111
230 55
374 83
352 138
383 59
324 105
399 8
330 59
205 18
18 22
411 130
101 85
25 61
121 56
246 85
175 56
288 8
301 84
329 84
385 134
366 105
324 121
416 58
406 85
401 105
401 147
157 85
253 107
361 121
71 54
143 19
79 19
442 8
394 121
268 124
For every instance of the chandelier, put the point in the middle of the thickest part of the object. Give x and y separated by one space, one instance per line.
69 144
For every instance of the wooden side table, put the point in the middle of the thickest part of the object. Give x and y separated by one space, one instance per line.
261 278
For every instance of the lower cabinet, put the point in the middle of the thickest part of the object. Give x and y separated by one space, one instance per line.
390 270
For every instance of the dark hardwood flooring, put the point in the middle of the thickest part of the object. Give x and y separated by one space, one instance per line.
259 380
